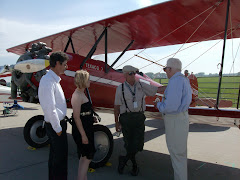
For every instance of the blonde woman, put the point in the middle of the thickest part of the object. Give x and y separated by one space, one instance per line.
82 127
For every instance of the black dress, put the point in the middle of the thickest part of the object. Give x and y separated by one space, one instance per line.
86 116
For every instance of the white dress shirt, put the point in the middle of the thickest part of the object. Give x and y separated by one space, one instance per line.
177 96
52 100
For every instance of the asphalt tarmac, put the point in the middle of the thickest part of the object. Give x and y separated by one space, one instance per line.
213 151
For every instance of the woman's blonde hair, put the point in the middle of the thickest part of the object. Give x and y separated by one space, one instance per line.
81 78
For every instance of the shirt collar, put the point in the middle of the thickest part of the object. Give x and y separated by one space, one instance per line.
175 75
130 84
54 75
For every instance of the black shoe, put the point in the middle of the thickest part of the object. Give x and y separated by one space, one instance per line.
135 170
121 164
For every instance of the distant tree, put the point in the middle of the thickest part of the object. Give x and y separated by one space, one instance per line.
200 74
160 75
213 75
150 74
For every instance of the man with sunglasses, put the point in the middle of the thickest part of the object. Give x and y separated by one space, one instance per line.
129 115
174 109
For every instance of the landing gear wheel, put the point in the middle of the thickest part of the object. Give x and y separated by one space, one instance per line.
103 141
34 134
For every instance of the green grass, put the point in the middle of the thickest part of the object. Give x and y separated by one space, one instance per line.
208 87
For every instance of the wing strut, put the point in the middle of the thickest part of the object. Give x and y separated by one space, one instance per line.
106 46
129 45
69 41
91 52
223 52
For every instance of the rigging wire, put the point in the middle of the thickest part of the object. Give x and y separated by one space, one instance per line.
215 5
202 54
204 95
209 48
230 9
195 31
231 35
183 49
235 58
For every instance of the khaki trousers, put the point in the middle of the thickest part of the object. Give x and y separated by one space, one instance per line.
177 127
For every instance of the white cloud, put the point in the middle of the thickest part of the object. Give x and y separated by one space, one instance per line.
144 3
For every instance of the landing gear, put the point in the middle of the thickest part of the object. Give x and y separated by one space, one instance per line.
103 141
35 135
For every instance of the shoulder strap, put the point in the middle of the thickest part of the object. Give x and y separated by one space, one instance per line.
143 96
124 97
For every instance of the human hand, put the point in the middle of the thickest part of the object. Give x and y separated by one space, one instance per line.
95 119
118 126
161 89
155 102
84 139
59 133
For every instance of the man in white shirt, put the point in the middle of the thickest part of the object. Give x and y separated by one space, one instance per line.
53 103
174 109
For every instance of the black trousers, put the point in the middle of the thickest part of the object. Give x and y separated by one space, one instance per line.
58 156
133 128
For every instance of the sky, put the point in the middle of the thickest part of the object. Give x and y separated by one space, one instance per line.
27 20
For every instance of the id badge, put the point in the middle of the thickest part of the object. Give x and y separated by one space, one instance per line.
135 104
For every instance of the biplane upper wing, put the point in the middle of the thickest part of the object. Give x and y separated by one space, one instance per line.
163 24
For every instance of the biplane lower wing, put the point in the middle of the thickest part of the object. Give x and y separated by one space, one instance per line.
203 115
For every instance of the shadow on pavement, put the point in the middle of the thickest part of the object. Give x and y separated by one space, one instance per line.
20 162
193 127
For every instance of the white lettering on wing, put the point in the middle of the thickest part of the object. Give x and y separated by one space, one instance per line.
92 66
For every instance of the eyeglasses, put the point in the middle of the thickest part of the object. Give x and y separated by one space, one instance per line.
165 69
131 73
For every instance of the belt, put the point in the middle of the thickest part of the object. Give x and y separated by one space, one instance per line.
132 112
86 113
176 114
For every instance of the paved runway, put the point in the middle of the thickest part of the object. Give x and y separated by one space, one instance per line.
213 152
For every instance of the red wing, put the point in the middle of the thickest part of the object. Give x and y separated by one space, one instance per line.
163 24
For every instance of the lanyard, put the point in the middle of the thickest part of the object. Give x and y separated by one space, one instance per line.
133 93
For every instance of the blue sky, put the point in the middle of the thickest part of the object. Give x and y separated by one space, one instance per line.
25 20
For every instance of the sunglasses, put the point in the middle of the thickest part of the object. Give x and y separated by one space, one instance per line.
131 73
165 69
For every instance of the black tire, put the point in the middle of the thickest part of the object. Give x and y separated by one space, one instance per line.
34 134
103 141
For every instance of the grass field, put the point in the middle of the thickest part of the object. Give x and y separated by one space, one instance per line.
208 87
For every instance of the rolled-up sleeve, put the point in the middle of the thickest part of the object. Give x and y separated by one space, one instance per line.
148 89
118 95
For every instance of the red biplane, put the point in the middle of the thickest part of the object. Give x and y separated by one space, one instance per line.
158 25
